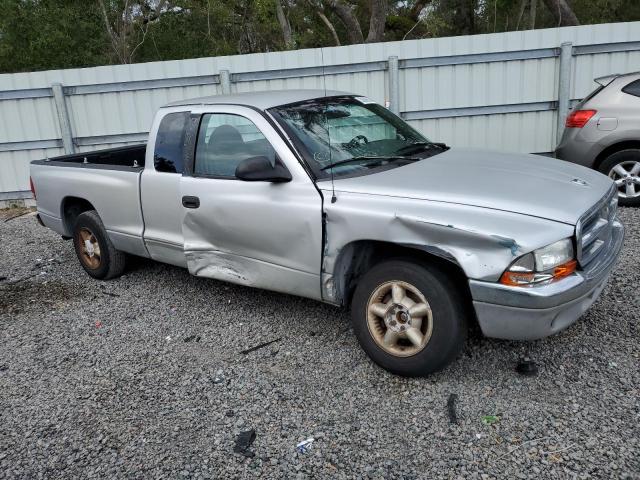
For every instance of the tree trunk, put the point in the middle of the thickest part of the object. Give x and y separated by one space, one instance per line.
464 21
330 26
285 26
377 20
414 13
346 16
562 13
523 4
532 14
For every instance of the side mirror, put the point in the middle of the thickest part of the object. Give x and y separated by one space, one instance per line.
259 169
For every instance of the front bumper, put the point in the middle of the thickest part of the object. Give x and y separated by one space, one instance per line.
529 313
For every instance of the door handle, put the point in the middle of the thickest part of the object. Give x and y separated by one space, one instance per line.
190 202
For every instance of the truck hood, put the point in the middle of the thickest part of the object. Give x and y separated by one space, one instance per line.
527 184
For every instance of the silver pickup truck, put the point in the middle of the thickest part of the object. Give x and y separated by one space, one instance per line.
328 195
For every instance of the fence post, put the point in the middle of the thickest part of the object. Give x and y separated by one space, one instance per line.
225 82
63 118
564 86
394 85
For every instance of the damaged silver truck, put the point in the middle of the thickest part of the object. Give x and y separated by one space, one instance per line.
330 196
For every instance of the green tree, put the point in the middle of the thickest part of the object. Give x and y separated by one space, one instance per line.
40 35
46 34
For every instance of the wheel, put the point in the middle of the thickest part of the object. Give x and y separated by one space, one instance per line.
94 249
623 167
408 317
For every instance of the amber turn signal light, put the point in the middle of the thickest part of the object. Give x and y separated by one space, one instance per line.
565 269
527 279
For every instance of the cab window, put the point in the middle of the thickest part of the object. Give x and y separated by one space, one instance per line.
169 147
224 140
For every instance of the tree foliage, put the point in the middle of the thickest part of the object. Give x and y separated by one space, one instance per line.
46 34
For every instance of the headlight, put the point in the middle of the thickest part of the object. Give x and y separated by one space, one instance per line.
542 266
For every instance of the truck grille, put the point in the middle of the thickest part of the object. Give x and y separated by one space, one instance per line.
593 230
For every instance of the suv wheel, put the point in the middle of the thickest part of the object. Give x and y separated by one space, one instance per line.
624 168
94 249
408 317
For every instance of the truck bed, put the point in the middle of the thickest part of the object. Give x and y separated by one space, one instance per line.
109 180
129 156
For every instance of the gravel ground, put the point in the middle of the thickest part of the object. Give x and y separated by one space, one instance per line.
143 376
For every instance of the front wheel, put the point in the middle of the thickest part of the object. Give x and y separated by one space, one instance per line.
408 317
624 168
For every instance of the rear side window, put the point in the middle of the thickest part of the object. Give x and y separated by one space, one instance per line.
169 148
633 88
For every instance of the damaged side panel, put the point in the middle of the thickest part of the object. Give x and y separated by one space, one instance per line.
250 272
483 244
257 234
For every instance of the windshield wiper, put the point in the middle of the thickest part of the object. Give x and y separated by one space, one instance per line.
417 146
375 158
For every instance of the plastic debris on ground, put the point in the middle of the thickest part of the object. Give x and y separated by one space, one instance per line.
244 440
527 367
304 445
219 378
451 409
490 419
257 347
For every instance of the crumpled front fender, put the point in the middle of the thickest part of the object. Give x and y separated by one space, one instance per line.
482 242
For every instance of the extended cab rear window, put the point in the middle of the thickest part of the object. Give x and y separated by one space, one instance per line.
633 88
169 148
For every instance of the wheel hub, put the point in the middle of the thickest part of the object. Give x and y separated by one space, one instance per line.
90 248
398 318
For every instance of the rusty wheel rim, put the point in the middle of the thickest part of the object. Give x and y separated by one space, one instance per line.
399 318
89 248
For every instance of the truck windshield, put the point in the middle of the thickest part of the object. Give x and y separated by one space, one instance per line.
351 135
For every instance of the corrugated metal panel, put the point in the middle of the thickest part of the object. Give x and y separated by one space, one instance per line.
14 167
462 72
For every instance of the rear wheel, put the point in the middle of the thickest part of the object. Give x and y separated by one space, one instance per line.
408 317
624 168
94 249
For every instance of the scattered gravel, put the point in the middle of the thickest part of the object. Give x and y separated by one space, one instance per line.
143 376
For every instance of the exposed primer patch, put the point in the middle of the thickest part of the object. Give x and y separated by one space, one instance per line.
509 243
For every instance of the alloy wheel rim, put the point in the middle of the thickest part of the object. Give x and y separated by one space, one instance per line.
89 248
626 175
399 318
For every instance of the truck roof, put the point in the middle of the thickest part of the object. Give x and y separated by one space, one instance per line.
261 100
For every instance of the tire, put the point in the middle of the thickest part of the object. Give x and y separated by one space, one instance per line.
441 343
625 160
99 258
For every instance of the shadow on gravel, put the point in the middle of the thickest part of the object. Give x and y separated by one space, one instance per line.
27 295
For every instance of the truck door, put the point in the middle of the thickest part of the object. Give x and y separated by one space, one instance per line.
256 233
160 186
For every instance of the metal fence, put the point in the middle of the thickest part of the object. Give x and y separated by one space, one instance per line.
505 91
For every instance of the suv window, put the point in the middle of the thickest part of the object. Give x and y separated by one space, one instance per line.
224 140
169 148
633 88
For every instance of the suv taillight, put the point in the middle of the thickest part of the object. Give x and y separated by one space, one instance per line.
33 188
579 118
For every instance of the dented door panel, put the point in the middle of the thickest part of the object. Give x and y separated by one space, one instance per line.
260 234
